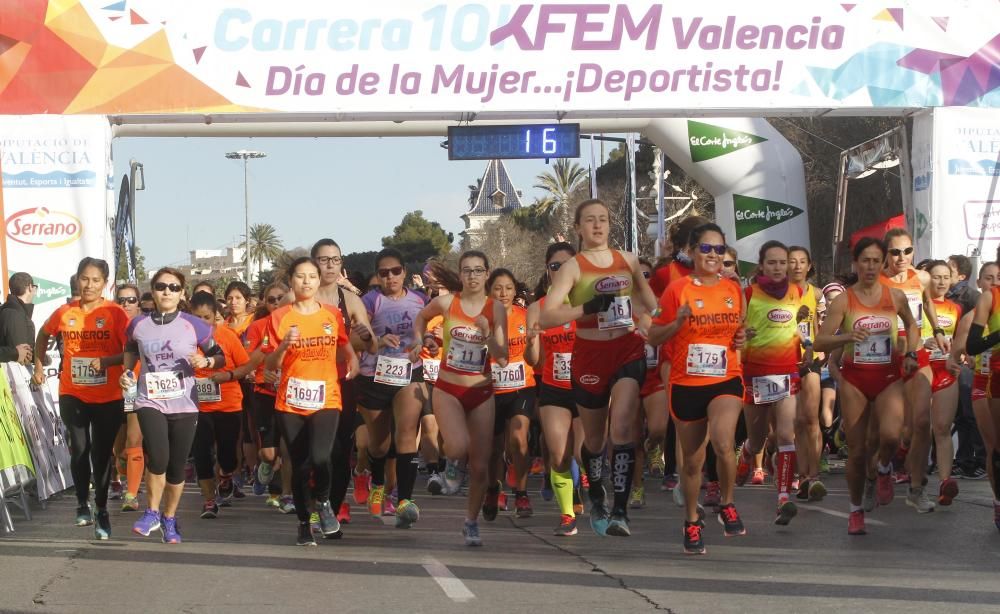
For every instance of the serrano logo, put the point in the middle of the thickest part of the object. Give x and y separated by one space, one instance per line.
779 315
613 283
39 226
464 333
873 324
945 321
589 380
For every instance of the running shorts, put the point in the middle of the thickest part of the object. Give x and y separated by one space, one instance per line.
550 396
470 398
872 381
690 403
375 396
597 365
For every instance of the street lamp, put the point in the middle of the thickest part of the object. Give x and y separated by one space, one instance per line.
246 155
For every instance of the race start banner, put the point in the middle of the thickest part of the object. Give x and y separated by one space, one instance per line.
356 59
56 205
956 183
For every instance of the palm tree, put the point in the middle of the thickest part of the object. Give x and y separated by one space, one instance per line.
474 192
565 178
264 245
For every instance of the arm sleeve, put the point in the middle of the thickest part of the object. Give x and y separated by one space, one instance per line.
977 344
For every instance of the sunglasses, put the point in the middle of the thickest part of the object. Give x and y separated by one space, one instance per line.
273 300
161 286
896 252
127 300
729 264
708 248
147 309
554 266
394 271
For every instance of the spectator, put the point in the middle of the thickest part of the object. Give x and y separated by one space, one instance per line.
17 331
962 290
74 290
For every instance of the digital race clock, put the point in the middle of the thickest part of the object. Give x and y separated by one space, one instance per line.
514 141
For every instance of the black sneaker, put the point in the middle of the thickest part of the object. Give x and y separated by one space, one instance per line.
102 525
974 474
693 543
491 505
210 510
305 535
618 525
786 511
730 520
328 523
803 494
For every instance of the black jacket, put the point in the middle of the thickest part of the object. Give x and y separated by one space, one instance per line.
16 327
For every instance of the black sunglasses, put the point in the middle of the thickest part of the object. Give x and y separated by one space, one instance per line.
394 271
272 300
147 309
554 266
708 248
161 286
127 300
900 252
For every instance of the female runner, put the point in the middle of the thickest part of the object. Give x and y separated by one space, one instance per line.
609 358
166 342
308 337
391 389
475 329
771 370
808 435
556 406
514 389
702 318
220 402
90 402
870 384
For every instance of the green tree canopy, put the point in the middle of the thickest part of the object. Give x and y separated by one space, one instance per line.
140 266
418 238
264 245
362 262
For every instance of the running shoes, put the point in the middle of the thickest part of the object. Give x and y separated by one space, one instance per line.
305 537
435 484
618 525
856 523
730 520
130 503
344 513
522 506
102 525
376 501
947 491
147 523
693 542
328 523
170 532
917 498
885 490
491 506
567 526
713 495
786 511
637 498
209 510
471 533
84 515
407 513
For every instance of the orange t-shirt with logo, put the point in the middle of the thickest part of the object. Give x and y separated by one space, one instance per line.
231 395
701 351
256 338
517 343
309 377
88 335
241 327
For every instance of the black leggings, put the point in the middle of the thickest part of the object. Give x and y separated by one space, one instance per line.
340 459
92 430
166 441
221 430
310 442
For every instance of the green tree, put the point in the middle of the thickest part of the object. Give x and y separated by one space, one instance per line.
418 238
559 184
140 266
264 245
363 262
474 192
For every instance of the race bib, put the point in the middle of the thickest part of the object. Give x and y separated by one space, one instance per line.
561 363
618 315
707 360
431 368
652 357
916 303
307 394
393 371
983 366
936 353
209 391
510 377
805 329
83 374
876 350
164 385
466 357
771 388
129 397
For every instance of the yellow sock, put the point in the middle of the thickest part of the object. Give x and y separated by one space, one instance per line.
562 486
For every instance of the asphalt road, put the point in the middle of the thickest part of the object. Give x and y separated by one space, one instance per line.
246 561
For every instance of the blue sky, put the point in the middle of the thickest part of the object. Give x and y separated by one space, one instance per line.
354 190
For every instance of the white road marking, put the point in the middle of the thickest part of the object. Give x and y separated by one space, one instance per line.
845 515
389 521
454 588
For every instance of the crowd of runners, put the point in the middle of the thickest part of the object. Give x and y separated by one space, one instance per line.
611 369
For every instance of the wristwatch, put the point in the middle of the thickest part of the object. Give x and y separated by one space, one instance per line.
911 354
938 331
